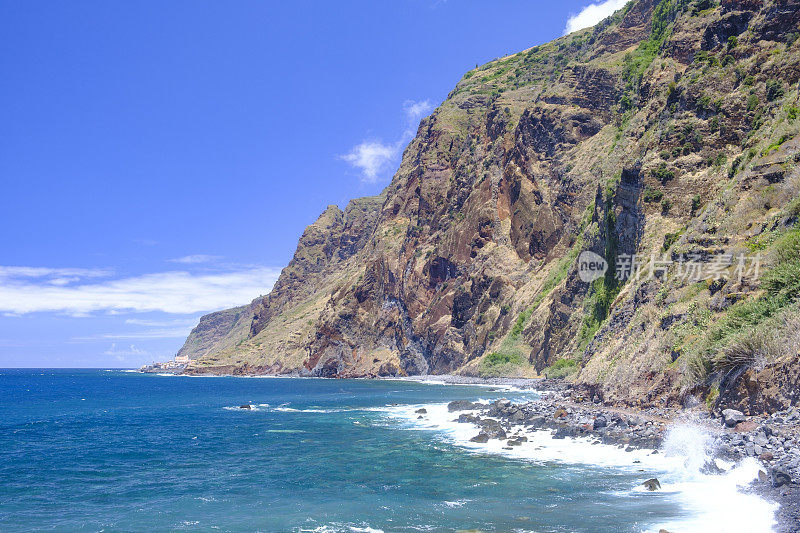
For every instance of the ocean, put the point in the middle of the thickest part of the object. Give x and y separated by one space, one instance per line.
95 450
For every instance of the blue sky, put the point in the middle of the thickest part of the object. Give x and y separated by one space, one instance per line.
160 159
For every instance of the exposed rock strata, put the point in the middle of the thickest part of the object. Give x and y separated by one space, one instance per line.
666 130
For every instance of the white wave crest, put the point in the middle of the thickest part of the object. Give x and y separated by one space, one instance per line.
713 502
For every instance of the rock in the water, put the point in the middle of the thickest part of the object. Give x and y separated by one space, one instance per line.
468 418
652 484
762 476
246 406
461 405
712 468
492 429
481 438
421 411
731 417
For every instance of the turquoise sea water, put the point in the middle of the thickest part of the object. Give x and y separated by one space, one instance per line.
100 450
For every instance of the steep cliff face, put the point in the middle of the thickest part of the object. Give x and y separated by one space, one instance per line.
668 131
217 332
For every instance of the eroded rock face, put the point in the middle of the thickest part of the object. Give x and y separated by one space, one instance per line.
638 136
335 237
217 331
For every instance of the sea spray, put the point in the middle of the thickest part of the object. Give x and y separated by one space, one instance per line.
693 444
711 491
345 454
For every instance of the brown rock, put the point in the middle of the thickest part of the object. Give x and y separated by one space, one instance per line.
652 484
746 427
511 178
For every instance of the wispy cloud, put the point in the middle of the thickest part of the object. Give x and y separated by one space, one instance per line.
592 14
182 322
53 276
45 272
416 110
133 350
177 328
126 354
178 332
160 333
373 157
176 292
195 259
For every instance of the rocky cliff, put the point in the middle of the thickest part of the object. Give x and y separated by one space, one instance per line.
667 132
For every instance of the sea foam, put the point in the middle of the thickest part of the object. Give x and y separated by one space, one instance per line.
711 502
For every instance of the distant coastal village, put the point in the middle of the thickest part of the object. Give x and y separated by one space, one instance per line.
176 365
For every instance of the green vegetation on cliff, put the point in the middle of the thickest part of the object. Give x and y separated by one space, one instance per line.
667 132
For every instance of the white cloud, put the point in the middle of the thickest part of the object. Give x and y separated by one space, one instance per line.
44 272
592 14
133 350
123 354
161 333
63 281
416 110
372 158
154 333
176 292
195 259
188 322
155 329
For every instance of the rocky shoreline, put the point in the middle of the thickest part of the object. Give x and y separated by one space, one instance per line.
574 412
773 440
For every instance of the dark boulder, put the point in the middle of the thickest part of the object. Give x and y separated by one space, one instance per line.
600 421
468 418
462 405
779 477
652 484
493 429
